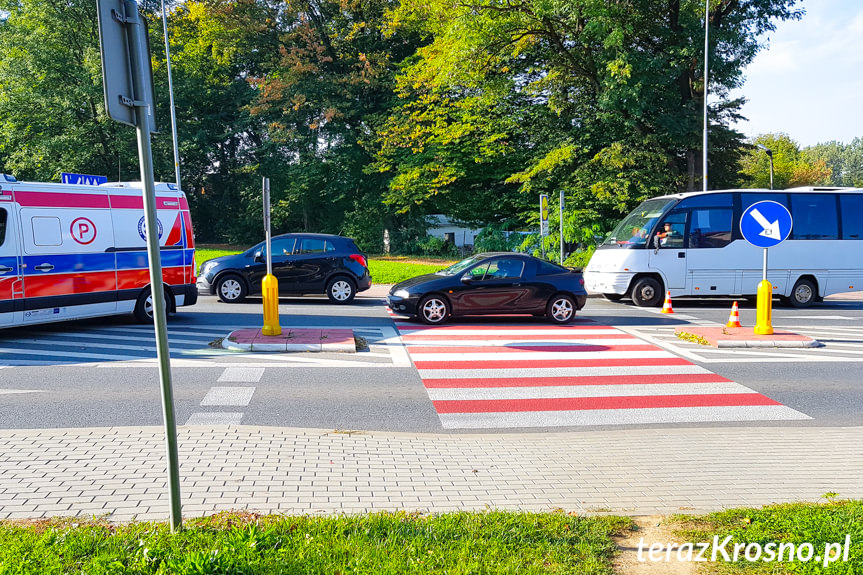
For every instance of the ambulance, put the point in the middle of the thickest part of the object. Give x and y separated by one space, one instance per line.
76 251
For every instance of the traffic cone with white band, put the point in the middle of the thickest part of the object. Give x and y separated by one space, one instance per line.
734 318
666 306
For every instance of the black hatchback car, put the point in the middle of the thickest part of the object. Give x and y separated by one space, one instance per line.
302 264
492 283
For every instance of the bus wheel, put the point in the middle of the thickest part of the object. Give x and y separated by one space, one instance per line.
803 294
647 292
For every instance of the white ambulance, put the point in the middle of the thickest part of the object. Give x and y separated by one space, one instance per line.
75 251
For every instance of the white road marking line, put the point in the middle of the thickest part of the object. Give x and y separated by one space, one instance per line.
215 419
596 417
536 371
233 396
241 374
584 391
11 391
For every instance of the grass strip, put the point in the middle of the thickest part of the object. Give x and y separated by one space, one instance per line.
797 524
383 543
384 270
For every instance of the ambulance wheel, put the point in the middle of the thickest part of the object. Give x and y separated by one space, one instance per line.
144 306
231 289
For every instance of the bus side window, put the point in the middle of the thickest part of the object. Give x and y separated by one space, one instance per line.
710 228
852 216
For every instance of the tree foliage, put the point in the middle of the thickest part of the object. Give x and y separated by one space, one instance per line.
371 115
791 167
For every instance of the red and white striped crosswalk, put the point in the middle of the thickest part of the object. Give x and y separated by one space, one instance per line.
484 376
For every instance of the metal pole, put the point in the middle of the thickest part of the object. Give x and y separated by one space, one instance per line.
157 290
764 267
771 169
561 227
171 95
706 52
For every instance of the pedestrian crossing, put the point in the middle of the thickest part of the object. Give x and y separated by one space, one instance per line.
583 374
135 346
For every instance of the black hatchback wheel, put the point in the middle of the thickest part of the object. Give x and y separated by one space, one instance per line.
433 310
341 290
231 289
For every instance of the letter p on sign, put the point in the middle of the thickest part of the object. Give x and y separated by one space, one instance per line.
83 231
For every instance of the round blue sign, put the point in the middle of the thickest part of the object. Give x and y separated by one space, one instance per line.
765 224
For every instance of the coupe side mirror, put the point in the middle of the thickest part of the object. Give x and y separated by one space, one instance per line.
259 257
466 279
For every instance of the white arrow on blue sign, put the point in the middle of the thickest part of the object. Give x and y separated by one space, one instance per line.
765 224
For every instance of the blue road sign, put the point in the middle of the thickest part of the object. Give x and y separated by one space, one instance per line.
82 179
765 224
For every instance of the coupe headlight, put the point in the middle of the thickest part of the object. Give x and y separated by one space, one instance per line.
401 293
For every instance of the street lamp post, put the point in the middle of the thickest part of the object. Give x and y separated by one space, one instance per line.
769 155
171 95
706 54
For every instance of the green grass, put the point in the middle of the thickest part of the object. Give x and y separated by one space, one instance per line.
392 271
379 544
797 523
384 270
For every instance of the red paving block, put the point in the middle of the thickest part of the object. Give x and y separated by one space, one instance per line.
745 337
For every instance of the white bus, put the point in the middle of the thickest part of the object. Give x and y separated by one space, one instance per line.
703 253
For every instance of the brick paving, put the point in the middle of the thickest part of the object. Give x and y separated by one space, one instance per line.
120 472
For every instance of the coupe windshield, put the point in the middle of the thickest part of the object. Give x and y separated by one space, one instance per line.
633 230
459 267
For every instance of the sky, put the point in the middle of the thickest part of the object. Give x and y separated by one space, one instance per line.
808 81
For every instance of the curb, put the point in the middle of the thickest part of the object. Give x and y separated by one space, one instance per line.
292 340
736 337
768 343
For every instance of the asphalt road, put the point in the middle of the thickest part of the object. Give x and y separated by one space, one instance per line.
90 373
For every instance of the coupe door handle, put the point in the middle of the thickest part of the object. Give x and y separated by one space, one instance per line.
44 267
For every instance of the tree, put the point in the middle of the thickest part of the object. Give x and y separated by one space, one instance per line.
845 161
51 103
790 167
623 80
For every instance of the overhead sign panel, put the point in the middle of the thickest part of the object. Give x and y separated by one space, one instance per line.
766 224
82 179
122 97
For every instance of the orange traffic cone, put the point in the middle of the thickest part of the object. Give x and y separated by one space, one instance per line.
734 318
666 306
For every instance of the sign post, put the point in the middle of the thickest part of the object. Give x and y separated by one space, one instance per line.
128 84
561 227
764 225
543 220
270 285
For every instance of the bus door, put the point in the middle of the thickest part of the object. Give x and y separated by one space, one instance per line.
10 270
668 251
714 262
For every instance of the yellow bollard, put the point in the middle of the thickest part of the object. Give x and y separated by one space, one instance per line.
270 291
764 313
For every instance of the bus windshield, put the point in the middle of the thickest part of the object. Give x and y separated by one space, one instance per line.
632 231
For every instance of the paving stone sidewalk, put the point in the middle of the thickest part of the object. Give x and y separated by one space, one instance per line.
120 472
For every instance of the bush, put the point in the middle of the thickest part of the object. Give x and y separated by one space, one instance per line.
435 246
